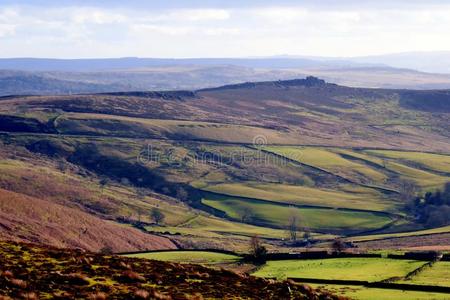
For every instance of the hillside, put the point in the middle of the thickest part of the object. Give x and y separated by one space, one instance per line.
223 164
59 273
285 112
30 219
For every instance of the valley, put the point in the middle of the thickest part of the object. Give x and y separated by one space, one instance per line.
211 169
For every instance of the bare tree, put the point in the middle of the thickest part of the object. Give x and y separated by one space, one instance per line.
103 182
61 165
338 245
307 237
246 215
384 162
141 193
258 252
139 211
293 226
408 190
182 194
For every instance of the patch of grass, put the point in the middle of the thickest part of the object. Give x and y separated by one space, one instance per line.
366 269
194 257
438 274
278 215
436 162
444 229
207 226
424 179
352 196
331 162
363 293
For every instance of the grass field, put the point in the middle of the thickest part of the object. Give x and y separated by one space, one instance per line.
194 257
278 215
212 227
352 197
363 293
373 166
435 162
444 229
366 269
330 161
438 274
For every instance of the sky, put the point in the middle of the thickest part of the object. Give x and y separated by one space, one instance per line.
189 28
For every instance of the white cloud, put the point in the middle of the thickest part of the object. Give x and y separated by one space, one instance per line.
143 29
279 15
82 16
195 15
7 30
343 31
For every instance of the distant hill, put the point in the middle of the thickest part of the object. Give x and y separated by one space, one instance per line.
109 64
190 77
25 83
433 61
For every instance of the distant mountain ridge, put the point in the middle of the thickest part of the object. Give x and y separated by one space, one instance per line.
34 76
109 64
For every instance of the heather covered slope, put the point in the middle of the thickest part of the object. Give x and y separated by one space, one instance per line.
302 111
24 218
64 274
249 153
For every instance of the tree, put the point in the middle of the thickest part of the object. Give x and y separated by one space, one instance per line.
103 182
408 190
338 246
292 226
156 215
258 252
182 194
61 165
246 215
307 236
141 193
107 250
139 211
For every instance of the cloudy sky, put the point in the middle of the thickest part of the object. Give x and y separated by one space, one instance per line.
228 28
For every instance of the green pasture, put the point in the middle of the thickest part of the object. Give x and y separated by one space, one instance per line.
365 238
364 269
438 274
353 197
364 293
194 257
278 215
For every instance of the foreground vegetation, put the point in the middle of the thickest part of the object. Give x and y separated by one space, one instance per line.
64 274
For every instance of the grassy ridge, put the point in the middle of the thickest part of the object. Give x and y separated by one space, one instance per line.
114 125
